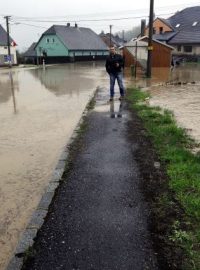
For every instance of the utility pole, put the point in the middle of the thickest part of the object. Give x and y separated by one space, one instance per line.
150 47
110 35
123 36
8 40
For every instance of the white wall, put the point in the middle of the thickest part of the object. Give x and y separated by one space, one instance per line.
4 51
195 50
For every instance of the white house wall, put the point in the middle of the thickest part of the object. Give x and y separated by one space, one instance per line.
4 52
195 50
141 52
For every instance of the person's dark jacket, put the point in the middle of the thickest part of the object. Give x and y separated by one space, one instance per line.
111 63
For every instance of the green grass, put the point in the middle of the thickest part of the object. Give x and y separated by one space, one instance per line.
174 146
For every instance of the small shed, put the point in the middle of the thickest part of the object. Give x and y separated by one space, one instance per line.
138 49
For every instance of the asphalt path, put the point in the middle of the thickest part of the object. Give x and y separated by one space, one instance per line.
99 218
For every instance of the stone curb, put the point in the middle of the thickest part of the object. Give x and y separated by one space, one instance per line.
37 219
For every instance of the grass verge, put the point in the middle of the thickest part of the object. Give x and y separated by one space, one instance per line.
174 146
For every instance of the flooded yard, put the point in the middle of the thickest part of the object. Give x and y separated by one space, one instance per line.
39 110
179 91
181 95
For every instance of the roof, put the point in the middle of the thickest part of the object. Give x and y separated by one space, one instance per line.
182 22
157 41
166 36
31 52
186 37
142 42
186 18
132 43
77 38
3 37
115 40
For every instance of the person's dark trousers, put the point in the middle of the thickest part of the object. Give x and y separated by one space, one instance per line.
119 77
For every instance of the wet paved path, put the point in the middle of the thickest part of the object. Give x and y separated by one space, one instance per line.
99 217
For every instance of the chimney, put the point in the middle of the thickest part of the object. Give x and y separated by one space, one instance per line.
76 25
143 26
68 24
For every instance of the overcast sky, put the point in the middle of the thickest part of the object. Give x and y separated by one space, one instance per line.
28 16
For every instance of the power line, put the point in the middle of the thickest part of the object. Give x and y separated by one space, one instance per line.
108 13
37 26
92 20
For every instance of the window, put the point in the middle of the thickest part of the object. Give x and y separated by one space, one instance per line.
187 49
154 30
178 24
161 30
194 23
47 40
53 40
179 48
5 48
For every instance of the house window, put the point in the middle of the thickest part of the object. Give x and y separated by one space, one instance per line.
154 30
178 25
53 40
179 48
194 23
47 40
161 30
187 49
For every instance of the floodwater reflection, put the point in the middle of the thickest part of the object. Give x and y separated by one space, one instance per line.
65 79
39 110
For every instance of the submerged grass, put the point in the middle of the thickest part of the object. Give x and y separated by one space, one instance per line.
183 169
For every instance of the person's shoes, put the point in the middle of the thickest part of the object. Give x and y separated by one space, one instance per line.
111 99
121 98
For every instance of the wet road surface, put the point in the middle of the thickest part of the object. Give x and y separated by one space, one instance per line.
99 217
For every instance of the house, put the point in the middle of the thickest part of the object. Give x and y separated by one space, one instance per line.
137 50
30 56
4 48
182 31
64 43
112 40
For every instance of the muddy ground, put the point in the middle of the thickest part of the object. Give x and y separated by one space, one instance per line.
165 209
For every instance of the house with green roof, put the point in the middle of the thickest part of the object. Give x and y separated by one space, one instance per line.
64 43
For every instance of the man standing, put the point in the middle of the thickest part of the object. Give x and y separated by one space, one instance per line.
114 65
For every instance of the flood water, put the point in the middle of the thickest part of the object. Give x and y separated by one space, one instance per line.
39 110
38 113
179 91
